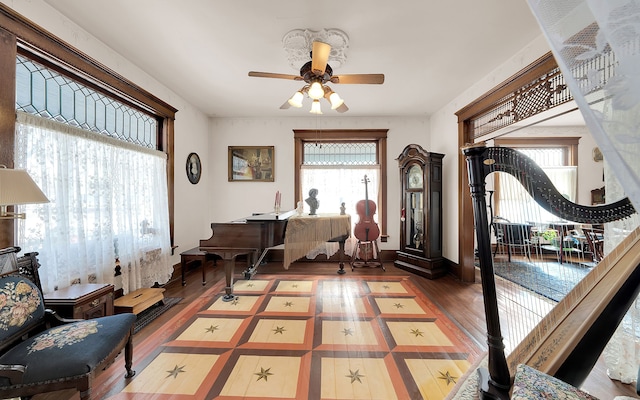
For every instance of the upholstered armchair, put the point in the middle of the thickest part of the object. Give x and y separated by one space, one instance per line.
41 352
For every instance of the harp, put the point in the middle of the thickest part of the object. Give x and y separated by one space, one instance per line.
567 342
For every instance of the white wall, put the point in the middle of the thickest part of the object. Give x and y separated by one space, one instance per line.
192 202
231 200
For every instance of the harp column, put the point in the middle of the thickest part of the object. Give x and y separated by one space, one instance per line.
497 383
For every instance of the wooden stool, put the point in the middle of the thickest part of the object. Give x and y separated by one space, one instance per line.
367 249
138 301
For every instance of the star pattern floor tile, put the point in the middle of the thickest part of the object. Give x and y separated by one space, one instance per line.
356 378
173 373
263 376
304 338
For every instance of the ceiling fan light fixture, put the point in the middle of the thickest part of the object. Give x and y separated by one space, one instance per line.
316 91
296 99
315 107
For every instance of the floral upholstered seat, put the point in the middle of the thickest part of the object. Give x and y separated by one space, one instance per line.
530 384
53 358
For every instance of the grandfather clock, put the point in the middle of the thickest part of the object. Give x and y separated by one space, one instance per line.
421 212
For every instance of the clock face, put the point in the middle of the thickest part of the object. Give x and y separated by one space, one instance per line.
415 177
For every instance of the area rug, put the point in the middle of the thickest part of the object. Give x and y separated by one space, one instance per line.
153 312
549 279
300 337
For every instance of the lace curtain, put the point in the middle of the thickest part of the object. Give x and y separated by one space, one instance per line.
336 186
578 31
108 200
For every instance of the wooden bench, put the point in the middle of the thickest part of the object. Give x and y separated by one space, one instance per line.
198 255
138 300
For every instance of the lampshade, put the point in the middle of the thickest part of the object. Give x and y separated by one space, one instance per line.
17 187
316 91
335 100
315 107
296 99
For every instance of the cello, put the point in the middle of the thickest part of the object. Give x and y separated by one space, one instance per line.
366 230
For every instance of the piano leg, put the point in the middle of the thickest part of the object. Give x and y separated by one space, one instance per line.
229 259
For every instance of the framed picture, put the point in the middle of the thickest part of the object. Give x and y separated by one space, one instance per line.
194 169
251 163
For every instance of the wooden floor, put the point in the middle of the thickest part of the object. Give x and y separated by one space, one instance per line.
462 302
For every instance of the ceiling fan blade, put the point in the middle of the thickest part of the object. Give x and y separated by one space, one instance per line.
285 105
272 75
375 79
343 108
320 57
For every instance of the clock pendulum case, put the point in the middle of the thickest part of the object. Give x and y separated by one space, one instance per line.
421 212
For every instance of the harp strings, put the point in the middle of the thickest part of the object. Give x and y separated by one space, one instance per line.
538 262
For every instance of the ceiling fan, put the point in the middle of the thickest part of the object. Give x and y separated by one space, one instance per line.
316 73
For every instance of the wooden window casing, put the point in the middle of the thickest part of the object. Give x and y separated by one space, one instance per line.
347 135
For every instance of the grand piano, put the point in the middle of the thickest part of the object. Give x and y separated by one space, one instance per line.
245 236
254 235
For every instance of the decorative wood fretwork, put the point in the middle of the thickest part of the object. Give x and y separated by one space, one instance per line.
540 94
545 92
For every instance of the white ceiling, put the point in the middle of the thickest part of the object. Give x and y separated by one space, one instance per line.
430 51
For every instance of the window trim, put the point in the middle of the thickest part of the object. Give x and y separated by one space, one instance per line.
346 135
19 35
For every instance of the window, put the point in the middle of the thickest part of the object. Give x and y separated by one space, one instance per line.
95 178
44 92
557 157
336 162
54 82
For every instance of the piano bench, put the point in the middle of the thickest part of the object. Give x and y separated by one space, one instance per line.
197 255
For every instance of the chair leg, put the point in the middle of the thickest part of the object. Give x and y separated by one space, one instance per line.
128 356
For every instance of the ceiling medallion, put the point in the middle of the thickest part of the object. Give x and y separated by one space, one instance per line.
298 44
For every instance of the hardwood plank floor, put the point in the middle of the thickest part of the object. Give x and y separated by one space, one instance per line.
462 302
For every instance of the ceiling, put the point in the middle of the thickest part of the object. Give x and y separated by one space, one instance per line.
429 51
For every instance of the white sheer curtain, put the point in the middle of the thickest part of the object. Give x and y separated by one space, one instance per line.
108 199
337 185
579 31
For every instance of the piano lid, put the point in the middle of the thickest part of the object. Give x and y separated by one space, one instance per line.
271 216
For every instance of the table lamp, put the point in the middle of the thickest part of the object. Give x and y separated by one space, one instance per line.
17 187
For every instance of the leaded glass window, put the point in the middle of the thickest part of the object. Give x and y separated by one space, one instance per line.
44 92
340 153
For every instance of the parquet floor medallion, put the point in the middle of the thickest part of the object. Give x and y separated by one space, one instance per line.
301 338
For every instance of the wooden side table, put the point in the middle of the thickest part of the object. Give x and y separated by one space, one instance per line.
85 301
